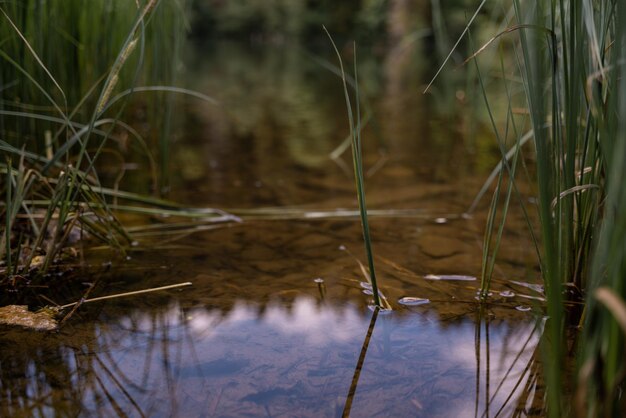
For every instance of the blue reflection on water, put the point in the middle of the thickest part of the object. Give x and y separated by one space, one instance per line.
300 360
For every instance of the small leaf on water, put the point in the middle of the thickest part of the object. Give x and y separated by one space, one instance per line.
413 301
536 287
458 277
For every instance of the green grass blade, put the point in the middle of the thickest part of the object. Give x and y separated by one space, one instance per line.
358 169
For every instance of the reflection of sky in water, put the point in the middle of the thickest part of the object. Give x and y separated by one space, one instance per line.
306 320
299 360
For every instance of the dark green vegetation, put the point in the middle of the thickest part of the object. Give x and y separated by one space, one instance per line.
297 18
558 72
568 58
74 82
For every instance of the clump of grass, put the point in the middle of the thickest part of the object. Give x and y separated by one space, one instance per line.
58 114
570 59
602 360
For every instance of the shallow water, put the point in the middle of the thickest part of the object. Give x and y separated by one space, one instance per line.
294 357
278 319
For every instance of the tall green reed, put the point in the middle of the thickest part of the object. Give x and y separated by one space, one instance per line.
603 364
357 162
572 59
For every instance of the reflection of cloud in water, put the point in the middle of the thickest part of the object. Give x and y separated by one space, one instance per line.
202 322
315 324
306 319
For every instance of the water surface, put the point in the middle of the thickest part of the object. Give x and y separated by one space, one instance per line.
278 321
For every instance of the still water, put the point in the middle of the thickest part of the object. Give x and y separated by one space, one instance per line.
278 321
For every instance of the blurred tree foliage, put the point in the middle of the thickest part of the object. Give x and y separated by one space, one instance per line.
287 18
362 20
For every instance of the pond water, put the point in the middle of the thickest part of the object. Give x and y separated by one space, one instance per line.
278 321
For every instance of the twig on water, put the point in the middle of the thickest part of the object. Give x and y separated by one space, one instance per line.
120 295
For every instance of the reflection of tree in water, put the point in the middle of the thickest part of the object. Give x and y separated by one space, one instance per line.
281 114
273 97
278 119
